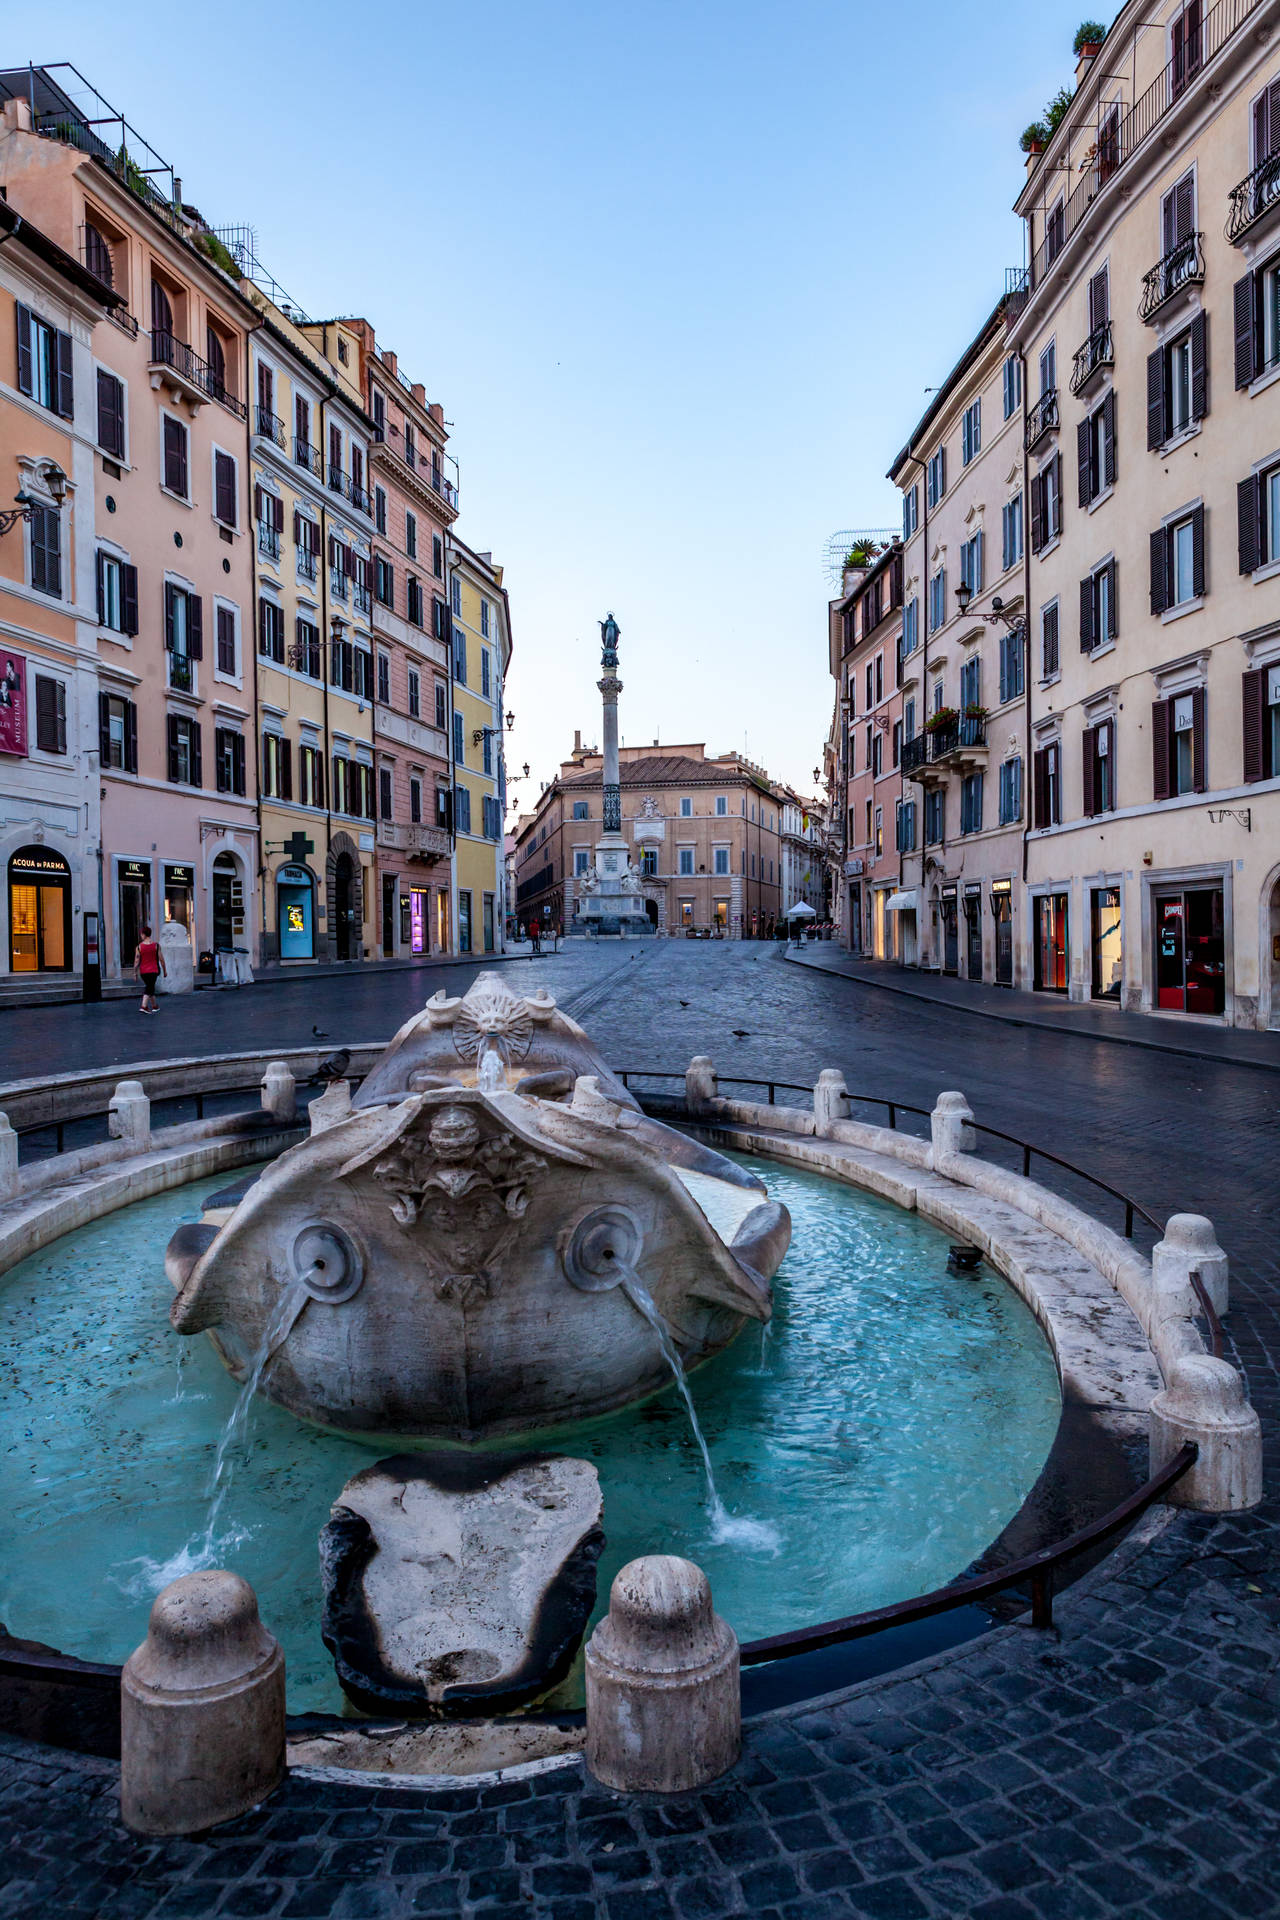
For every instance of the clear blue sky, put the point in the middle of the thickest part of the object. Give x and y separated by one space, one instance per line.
679 274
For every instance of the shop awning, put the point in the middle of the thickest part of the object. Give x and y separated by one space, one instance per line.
901 902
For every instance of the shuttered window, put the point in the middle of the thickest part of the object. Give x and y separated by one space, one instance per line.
414 601
462 808
51 714
117 733
1098 768
1049 660
271 630
1179 745
1010 791
184 751
226 641
224 489
1099 622
1096 450
306 653
110 414
175 456
1177 562
45 536
229 761
1046 769
1011 382
44 363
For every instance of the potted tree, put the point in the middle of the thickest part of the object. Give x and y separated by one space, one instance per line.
1090 35
1035 139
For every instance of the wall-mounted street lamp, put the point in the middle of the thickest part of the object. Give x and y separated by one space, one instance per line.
479 733
998 615
26 504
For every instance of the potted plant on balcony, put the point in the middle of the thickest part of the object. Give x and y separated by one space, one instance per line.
938 722
974 712
1090 35
1035 139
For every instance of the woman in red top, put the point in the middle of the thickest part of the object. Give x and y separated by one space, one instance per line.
148 965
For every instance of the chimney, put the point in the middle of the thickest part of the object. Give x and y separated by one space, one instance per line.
389 360
577 739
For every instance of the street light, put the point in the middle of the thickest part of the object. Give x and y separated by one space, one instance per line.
964 594
997 616
25 504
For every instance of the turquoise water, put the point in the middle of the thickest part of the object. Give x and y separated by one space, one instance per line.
876 1437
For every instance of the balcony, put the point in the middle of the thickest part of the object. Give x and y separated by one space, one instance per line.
181 674
305 455
338 583
414 839
1042 419
1096 353
1256 196
269 425
360 599
440 484
950 743
268 541
175 364
306 564
914 753
1181 267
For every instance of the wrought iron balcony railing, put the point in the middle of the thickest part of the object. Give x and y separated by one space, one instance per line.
914 752
181 675
1043 418
1182 266
269 425
966 730
358 496
305 455
1256 194
1096 353
182 360
306 564
360 598
338 583
268 541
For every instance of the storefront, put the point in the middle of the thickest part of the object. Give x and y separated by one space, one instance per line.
417 905
180 899
133 910
1105 944
1050 943
973 931
1002 919
296 913
1190 950
39 912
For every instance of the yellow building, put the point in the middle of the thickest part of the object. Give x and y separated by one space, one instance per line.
312 519
481 628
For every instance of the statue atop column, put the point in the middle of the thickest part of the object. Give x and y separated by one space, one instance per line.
610 899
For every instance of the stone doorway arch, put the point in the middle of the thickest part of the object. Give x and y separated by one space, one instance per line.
344 889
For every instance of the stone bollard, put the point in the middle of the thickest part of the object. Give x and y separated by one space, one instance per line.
129 1115
701 1086
333 1106
279 1091
1190 1245
830 1101
1205 1402
664 1701
951 1126
201 1709
8 1160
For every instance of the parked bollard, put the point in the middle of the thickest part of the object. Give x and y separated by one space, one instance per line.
830 1101
129 1114
201 1709
1205 1402
279 1091
1190 1245
333 1105
951 1126
8 1160
701 1086
664 1701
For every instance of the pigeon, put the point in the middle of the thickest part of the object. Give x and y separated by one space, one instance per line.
334 1065
740 1033
319 1033
684 1003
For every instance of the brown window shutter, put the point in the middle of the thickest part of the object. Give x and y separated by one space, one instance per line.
26 360
297 528
195 627
1082 460
1109 727
1159 570
1037 513
1088 638
104 730
1099 301
170 598
129 599
1248 517
286 769
102 598
278 510
1040 786
197 769
1089 740
1198 741
257 502
1199 366
66 389
173 745
130 737
1054 531
1113 610
1161 725
1109 439
1155 399
1244 300
1197 552
1253 688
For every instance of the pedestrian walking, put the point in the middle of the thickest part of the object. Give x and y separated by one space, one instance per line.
535 934
148 965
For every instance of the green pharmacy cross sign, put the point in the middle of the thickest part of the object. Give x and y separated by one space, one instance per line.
298 846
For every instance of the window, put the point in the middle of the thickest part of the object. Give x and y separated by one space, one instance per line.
277 767
971 683
649 862
1010 665
1046 505
1049 370
686 861
879 698
1011 384
415 693
385 794
268 511
896 743
362 663
183 635
306 650
458 754
183 756
110 414
938 600
380 510
1047 771
175 457
936 476
437 556
910 510
909 717
462 809
721 859
1096 450
1049 661
877 754
871 698
1257 296
310 776
911 625
342 664
1186 47
1011 533
456 596
44 363
580 809
302 430
441 706
971 803
228 760
224 490
1099 757
411 535
1178 384
1258 518
379 413
971 563
904 826
118 733
486 674
415 800
1010 791
486 750
971 432
934 816
117 594
581 860
384 679
686 808
51 714
1262 724
1177 562
1098 621
306 539
460 656
224 621
1055 230
484 618
384 582
271 630
97 254
410 444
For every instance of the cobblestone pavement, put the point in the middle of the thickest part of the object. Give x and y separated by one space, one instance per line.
1123 1766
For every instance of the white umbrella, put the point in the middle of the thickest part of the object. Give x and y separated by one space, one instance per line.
801 911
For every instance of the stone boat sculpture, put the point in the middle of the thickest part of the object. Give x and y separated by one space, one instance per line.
492 1239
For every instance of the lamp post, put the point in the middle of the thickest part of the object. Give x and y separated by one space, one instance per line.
26 505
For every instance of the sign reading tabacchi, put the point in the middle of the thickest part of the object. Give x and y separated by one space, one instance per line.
13 703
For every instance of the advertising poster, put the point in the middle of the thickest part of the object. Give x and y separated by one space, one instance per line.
13 702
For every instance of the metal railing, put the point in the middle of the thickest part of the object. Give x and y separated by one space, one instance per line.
1255 195
306 564
305 455
914 752
1042 418
268 541
47 1138
269 425
966 730
1182 266
167 350
1096 352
